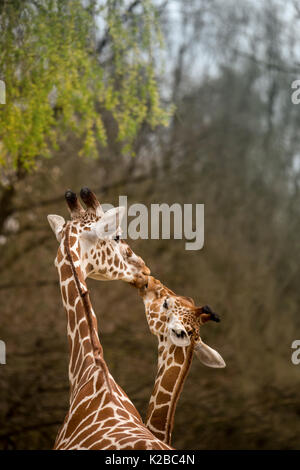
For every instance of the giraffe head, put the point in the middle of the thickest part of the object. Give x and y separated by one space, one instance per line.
177 320
94 239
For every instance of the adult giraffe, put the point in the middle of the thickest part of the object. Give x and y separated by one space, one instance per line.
100 415
176 321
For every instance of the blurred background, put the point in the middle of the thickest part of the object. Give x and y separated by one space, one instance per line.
164 101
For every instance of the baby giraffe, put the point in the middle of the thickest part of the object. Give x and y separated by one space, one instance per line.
176 321
100 414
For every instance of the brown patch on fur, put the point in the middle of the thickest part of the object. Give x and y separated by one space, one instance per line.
159 417
123 413
162 398
66 272
72 240
72 320
105 413
72 293
79 311
83 329
89 267
170 377
109 424
179 356
59 255
155 388
159 435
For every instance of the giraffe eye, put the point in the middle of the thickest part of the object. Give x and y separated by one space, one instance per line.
117 238
165 305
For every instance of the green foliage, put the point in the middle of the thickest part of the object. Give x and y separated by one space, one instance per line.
56 81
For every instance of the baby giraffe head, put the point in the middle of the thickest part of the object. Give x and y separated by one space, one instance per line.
176 320
93 239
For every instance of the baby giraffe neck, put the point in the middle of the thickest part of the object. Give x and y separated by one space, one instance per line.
173 365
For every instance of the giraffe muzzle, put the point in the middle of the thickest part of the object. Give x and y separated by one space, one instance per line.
140 282
178 335
146 271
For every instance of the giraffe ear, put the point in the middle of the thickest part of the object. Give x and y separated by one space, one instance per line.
208 356
109 225
56 223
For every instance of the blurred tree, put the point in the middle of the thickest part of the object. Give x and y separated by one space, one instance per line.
65 62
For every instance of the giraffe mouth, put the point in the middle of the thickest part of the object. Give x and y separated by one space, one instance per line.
140 282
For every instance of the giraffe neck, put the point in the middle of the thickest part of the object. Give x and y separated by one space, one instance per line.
173 365
84 345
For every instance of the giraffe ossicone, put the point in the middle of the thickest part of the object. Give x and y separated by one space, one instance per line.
176 322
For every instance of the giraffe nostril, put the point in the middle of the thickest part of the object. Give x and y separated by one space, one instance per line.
179 334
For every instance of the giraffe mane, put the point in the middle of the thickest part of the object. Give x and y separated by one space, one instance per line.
86 305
